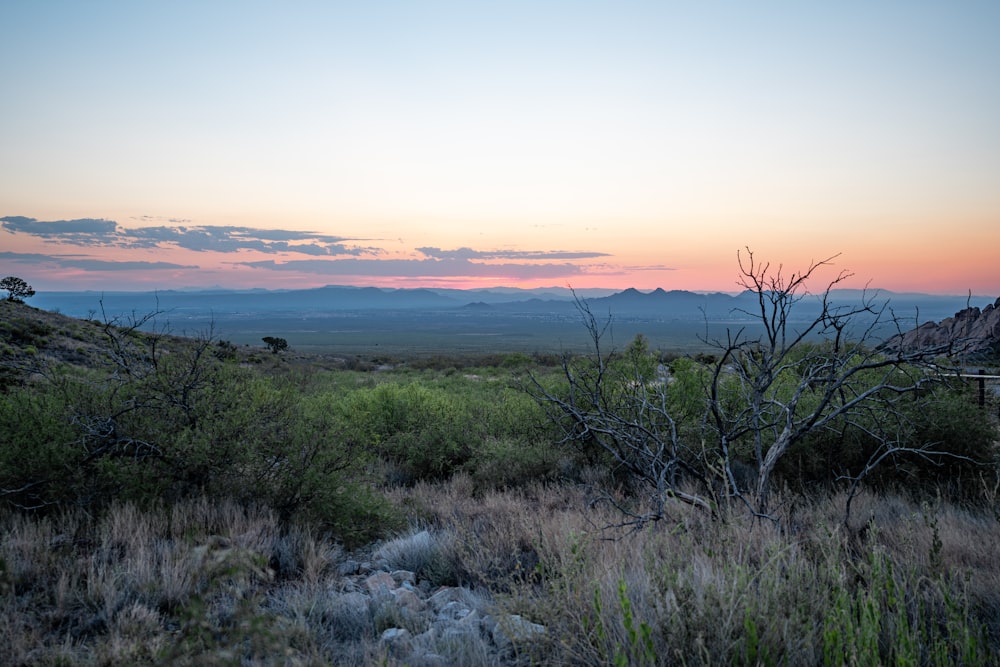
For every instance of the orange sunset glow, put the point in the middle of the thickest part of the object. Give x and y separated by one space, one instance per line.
640 144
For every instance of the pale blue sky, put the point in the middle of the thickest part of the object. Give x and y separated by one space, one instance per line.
655 138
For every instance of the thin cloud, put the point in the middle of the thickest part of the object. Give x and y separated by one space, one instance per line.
418 268
318 254
108 265
199 238
470 254
82 231
231 239
77 262
160 218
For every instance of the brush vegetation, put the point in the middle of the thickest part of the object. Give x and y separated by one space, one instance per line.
181 500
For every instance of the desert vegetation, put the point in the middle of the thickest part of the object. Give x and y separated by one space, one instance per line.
790 499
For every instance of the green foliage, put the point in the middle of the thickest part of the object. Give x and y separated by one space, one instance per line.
949 418
38 465
516 360
210 634
226 350
637 362
160 426
504 463
23 331
432 429
958 436
632 651
639 648
415 427
884 622
686 391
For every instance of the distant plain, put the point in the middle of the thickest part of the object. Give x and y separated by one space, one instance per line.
404 323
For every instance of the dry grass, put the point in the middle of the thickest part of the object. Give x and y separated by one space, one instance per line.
207 583
725 591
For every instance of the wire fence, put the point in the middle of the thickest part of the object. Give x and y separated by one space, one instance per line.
988 388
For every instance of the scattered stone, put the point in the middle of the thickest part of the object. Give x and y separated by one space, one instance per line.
397 640
447 625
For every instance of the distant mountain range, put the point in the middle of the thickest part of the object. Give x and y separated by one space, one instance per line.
659 304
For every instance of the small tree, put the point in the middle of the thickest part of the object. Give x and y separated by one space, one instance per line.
17 289
274 344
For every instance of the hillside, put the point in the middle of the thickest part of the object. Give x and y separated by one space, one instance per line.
31 337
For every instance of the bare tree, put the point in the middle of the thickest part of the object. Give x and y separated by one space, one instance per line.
806 368
800 376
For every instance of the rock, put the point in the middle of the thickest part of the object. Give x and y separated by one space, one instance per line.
424 625
397 640
453 611
972 333
403 577
444 595
409 600
380 582
459 634
513 629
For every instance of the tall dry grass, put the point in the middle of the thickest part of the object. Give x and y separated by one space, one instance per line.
908 582
215 583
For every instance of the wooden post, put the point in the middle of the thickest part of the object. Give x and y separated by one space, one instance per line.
982 389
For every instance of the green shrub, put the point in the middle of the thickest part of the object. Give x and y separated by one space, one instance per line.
415 427
958 436
178 424
431 428
21 331
503 463
38 465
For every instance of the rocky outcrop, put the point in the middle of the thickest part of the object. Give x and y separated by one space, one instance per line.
414 622
972 333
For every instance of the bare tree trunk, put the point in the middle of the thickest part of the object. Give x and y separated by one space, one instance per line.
766 469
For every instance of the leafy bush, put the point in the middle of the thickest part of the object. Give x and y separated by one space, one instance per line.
431 429
38 465
504 463
16 288
162 424
944 438
413 426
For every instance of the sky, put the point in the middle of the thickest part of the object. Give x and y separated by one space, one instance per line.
167 145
